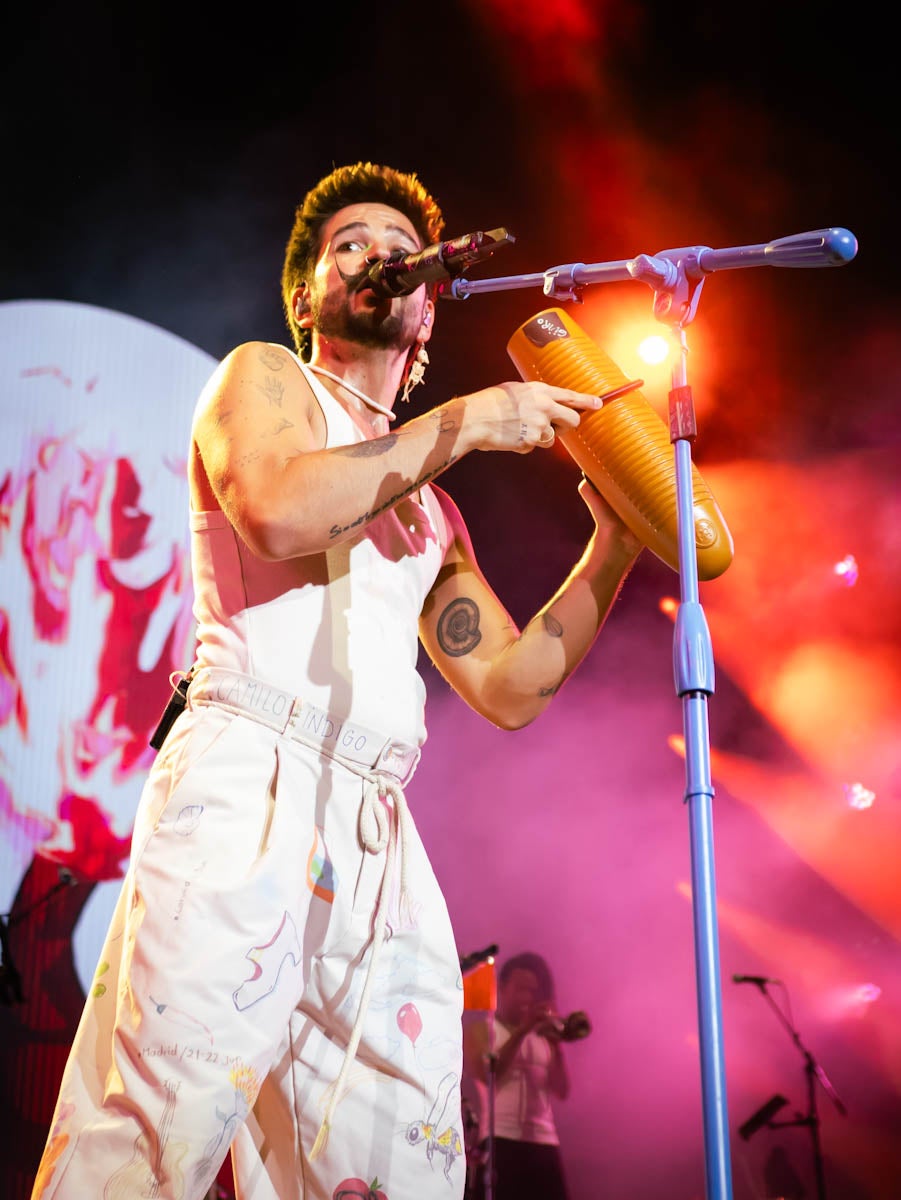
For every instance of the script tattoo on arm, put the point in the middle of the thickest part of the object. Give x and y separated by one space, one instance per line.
337 530
458 627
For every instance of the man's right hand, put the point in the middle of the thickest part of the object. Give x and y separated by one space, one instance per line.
521 415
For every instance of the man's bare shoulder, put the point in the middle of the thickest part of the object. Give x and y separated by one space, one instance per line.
262 371
257 356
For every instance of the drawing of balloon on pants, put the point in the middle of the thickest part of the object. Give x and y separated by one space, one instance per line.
431 1132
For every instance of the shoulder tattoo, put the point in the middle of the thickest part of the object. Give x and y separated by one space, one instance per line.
273 390
271 359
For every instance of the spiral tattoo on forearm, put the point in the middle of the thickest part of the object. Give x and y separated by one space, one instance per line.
458 627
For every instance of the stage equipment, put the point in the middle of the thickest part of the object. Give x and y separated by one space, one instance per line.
814 1074
575 1026
677 277
762 1117
468 961
402 273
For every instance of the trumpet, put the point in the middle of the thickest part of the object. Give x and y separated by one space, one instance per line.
571 1028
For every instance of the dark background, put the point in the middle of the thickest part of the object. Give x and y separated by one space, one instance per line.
153 162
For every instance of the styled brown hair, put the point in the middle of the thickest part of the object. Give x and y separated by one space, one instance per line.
357 184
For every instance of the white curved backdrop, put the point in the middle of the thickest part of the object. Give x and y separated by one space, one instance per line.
95 593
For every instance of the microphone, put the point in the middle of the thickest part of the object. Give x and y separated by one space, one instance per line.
402 273
468 961
760 980
762 1117
624 447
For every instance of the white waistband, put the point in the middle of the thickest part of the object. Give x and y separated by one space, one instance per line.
302 721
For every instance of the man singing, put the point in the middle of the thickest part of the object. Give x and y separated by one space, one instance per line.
281 952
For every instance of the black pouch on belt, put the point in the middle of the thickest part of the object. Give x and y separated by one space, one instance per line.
172 711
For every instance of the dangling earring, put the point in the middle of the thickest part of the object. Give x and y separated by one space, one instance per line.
415 371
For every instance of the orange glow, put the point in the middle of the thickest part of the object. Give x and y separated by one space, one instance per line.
809 812
653 349
480 988
815 697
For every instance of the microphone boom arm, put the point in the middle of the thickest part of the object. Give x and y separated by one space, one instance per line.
675 275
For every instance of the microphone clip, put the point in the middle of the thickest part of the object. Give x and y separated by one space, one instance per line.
402 272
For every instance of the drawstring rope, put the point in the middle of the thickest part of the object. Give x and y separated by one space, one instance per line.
376 829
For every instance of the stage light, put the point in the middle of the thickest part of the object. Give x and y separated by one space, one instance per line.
654 349
847 570
858 796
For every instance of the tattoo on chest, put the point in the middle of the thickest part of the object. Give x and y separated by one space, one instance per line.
458 627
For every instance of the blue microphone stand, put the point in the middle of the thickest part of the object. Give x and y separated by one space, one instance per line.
677 277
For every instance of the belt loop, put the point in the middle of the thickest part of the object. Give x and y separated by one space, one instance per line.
293 716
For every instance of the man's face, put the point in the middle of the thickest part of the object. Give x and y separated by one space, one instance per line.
342 302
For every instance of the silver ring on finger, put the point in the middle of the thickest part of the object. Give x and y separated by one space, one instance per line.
548 436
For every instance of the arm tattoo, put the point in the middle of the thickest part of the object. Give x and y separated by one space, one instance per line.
368 449
552 626
283 424
271 359
443 420
458 627
337 530
273 390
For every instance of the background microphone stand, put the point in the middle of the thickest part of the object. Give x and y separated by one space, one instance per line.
469 962
677 277
814 1073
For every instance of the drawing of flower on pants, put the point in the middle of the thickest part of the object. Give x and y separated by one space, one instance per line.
246 1085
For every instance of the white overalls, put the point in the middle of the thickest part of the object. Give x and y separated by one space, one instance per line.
280 975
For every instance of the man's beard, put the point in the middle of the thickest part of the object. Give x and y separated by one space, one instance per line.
333 318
